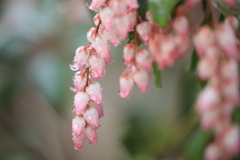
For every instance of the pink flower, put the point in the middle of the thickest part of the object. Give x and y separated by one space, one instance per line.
80 81
213 152
126 86
78 141
132 19
209 118
204 39
78 125
231 92
91 134
207 68
108 60
101 45
144 60
231 140
81 57
208 98
96 4
112 37
121 26
94 90
180 26
107 17
99 108
97 67
144 30
141 79
229 70
128 53
81 100
133 4
227 40
119 7
92 118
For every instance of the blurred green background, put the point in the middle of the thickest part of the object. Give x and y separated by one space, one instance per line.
38 39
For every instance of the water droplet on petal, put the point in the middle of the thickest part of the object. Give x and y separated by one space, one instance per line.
73 88
73 66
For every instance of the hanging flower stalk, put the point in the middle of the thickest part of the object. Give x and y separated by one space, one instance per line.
167 40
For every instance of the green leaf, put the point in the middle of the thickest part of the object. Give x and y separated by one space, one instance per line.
161 11
157 74
194 61
197 144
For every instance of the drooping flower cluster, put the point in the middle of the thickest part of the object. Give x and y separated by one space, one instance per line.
89 64
218 52
217 49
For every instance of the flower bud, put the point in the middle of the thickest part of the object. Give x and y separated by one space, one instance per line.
126 86
92 118
80 81
141 79
78 125
144 30
95 92
107 18
144 60
97 67
81 100
91 134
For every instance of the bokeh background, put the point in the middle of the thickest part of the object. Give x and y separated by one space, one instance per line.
38 39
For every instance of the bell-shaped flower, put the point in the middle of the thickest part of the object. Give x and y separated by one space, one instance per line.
141 79
207 67
227 40
121 26
81 100
96 4
97 67
231 140
144 31
208 99
80 81
94 90
126 86
181 26
128 53
107 15
78 125
91 134
99 108
78 141
132 19
91 116
81 57
213 152
101 46
203 39
144 60
112 37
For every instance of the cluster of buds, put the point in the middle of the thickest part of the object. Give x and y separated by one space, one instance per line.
138 63
165 47
218 52
89 64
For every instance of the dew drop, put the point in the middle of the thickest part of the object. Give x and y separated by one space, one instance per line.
73 88
73 66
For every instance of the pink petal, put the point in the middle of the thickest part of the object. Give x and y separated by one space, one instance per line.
126 86
94 90
92 118
81 100
141 79
97 67
91 134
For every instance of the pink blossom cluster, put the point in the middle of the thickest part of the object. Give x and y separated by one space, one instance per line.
165 47
218 51
117 18
88 109
138 63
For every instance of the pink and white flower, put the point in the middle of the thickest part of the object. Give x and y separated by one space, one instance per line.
91 116
94 90
81 100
